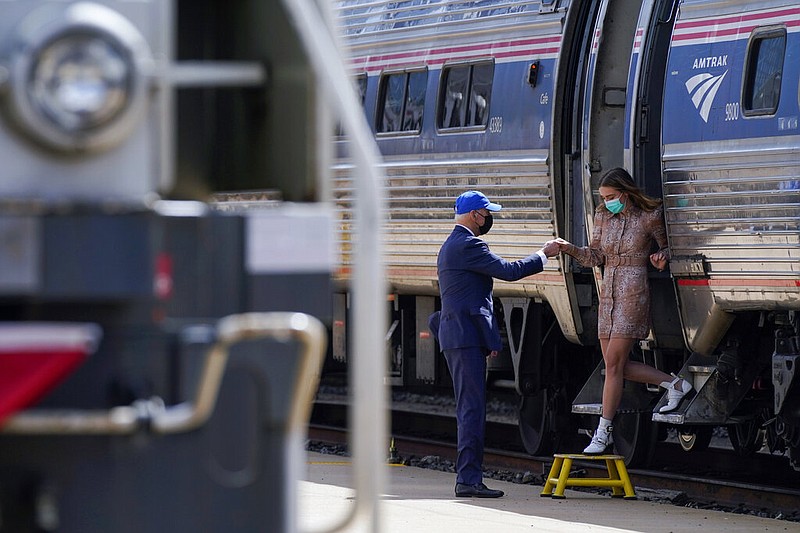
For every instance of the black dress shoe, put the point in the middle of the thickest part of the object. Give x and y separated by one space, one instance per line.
478 490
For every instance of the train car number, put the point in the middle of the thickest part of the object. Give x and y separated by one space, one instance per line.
731 111
495 124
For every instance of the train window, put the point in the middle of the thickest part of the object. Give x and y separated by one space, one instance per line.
763 73
401 101
415 101
361 87
480 93
465 95
454 110
393 91
361 90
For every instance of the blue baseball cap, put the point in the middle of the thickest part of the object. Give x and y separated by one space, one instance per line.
474 200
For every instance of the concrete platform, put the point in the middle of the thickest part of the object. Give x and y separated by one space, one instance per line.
422 501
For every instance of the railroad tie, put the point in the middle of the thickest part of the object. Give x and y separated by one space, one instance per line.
559 477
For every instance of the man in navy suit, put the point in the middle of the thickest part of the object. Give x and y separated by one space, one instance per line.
467 329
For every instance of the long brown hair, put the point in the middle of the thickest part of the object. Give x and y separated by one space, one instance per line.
619 179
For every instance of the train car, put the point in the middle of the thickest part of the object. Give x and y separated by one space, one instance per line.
531 102
730 182
157 356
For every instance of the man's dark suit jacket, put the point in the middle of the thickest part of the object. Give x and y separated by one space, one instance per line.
466 267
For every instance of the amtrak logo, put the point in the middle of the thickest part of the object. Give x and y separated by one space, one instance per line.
703 88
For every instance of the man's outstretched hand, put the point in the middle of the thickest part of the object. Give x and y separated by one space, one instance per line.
551 248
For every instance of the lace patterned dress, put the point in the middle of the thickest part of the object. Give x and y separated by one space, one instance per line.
623 244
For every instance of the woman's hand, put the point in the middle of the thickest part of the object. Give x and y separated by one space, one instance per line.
554 247
659 259
562 244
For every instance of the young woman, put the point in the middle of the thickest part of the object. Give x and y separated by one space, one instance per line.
625 227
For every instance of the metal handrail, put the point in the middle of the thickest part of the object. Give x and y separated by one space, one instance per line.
313 21
180 418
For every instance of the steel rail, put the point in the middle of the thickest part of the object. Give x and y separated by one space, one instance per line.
706 478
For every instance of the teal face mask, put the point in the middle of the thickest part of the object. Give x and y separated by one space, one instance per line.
615 206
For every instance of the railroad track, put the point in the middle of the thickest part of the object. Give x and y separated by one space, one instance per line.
713 478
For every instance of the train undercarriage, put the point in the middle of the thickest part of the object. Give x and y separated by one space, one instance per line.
559 384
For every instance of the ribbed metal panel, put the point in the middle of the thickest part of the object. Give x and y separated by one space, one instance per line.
385 18
691 9
736 205
421 196
408 32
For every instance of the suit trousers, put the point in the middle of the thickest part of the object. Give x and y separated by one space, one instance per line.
468 370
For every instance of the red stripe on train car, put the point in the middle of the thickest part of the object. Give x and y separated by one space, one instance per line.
693 282
431 273
740 31
738 19
481 48
522 54
739 282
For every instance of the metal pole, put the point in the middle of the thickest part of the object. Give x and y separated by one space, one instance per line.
369 422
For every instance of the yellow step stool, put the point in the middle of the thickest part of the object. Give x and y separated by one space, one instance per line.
617 479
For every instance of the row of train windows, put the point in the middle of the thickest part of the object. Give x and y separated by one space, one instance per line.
466 90
463 100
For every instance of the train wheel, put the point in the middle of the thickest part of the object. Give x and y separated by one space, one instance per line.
695 439
635 437
747 438
794 457
534 424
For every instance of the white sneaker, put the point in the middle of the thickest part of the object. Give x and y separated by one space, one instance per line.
674 396
601 442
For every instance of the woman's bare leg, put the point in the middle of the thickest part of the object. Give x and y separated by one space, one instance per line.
643 373
615 355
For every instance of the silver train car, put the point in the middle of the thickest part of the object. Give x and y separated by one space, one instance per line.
152 374
531 102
